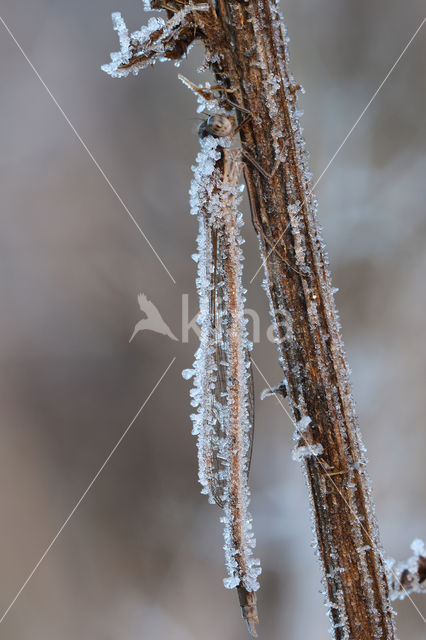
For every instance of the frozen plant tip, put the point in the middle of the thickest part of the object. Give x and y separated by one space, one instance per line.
410 576
158 41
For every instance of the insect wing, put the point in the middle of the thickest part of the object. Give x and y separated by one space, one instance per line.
250 409
219 398
220 408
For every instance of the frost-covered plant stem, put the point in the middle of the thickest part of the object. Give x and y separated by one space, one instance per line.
306 322
246 48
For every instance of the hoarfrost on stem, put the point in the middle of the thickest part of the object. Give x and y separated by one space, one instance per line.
222 391
300 452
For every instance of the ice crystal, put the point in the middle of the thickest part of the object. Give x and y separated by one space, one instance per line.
301 426
207 102
300 452
273 391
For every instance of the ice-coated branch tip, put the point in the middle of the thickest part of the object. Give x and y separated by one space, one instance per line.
158 41
410 576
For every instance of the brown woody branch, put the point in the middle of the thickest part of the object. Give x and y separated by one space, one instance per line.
175 45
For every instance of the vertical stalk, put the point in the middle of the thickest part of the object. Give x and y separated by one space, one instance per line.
255 62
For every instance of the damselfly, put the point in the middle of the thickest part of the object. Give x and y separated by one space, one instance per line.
223 378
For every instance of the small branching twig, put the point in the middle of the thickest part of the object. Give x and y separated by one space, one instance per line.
159 40
410 576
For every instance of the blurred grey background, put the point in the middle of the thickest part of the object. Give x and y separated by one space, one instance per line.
141 558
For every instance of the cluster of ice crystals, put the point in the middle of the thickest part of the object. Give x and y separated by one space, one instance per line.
142 45
408 577
187 374
418 546
207 102
123 57
302 426
222 392
273 391
147 6
300 452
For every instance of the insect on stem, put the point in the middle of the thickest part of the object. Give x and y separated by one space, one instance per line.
223 378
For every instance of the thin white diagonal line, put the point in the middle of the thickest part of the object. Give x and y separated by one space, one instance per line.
349 133
78 503
86 148
371 99
269 253
309 446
